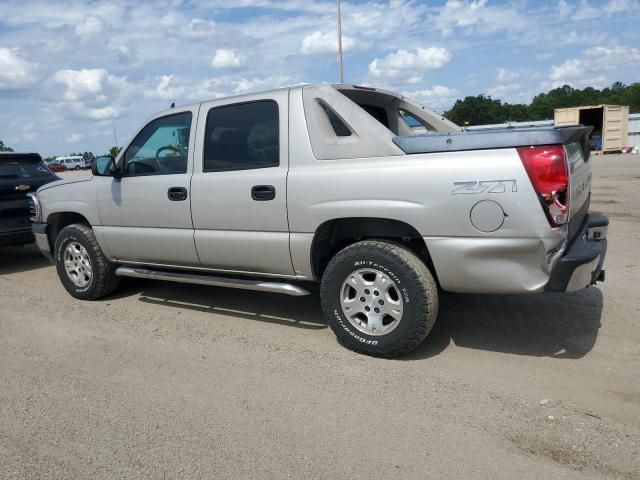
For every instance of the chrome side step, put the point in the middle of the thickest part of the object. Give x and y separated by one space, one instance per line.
259 285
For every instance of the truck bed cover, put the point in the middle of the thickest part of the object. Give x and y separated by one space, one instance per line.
489 139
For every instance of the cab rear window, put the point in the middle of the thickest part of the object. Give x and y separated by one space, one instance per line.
18 169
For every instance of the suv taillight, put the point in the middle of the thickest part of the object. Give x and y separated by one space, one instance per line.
549 173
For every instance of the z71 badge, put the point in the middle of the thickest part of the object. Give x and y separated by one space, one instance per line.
482 186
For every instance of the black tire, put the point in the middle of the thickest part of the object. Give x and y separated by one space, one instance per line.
103 279
77 167
419 297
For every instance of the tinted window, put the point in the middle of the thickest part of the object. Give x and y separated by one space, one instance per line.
378 113
16 169
161 147
243 136
339 127
414 122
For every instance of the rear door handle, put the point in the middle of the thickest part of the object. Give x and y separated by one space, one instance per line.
177 194
261 193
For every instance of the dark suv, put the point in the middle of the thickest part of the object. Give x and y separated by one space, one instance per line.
20 174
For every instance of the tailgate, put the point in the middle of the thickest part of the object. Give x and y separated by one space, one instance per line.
579 182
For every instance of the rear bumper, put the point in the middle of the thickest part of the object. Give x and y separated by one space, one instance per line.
42 239
582 263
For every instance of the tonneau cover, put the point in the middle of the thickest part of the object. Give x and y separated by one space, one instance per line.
490 138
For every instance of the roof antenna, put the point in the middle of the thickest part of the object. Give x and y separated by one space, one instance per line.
340 44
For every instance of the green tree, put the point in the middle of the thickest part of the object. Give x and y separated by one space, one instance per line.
478 110
4 148
114 151
632 98
543 105
482 109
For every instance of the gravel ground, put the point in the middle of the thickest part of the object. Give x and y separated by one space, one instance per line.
165 380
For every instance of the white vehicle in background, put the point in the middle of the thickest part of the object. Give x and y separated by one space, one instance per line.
72 162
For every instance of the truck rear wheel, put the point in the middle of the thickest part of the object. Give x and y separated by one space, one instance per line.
83 269
379 298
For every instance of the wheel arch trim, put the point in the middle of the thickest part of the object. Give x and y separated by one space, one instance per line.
361 228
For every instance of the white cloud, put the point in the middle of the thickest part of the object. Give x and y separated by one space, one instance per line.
74 137
125 54
325 43
81 83
563 10
586 11
592 66
567 70
99 113
477 18
504 75
545 55
180 89
90 26
16 73
167 87
225 58
137 61
586 38
226 85
200 28
502 91
437 97
622 6
94 93
409 64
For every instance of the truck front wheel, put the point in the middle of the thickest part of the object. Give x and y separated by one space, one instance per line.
83 269
379 298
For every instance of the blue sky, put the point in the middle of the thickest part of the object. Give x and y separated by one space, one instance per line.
71 71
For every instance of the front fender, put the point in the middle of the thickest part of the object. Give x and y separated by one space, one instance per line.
75 197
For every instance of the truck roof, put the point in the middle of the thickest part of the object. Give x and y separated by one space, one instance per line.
338 86
237 97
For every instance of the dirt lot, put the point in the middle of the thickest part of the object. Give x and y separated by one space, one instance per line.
176 381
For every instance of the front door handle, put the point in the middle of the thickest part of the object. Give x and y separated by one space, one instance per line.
177 194
261 193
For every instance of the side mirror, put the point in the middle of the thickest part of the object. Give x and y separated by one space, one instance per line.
104 166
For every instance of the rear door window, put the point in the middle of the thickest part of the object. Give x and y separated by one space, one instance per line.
242 136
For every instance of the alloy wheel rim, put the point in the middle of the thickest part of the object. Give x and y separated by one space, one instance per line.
78 264
371 301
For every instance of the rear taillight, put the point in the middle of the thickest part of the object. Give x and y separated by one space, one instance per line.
549 173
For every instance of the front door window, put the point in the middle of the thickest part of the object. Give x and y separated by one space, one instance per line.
161 147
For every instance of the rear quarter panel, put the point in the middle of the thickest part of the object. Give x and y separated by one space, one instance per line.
427 192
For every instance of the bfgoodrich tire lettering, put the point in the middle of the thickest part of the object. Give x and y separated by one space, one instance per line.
416 289
103 279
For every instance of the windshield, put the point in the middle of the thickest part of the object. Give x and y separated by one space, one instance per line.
15 169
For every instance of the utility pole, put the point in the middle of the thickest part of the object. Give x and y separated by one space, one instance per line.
340 44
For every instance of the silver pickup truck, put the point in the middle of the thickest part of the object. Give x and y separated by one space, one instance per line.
379 200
